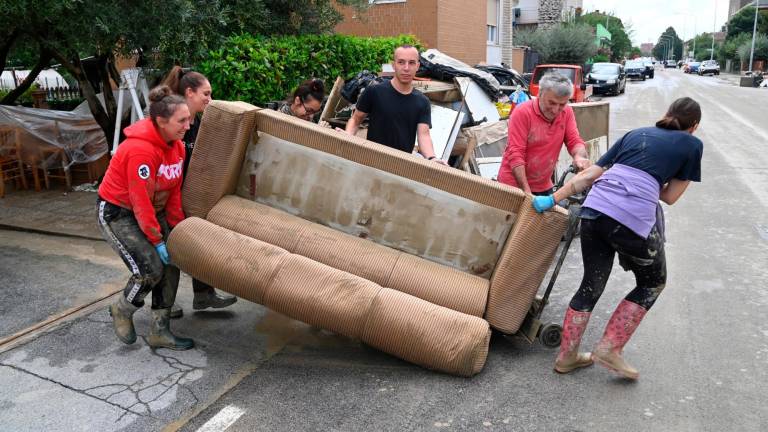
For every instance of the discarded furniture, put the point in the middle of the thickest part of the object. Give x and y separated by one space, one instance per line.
411 257
11 166
52 142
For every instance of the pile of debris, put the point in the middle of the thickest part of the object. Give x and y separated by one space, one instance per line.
469 109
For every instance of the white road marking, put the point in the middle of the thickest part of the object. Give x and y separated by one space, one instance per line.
223 420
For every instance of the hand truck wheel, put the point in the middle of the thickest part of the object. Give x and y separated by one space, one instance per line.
550 335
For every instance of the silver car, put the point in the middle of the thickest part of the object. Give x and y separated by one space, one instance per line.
709 67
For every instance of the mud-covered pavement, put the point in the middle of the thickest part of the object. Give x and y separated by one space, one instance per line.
702 351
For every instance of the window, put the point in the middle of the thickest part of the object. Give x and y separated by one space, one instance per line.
493 34
492 22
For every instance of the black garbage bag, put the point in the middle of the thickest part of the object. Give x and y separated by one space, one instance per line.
436 65
353 87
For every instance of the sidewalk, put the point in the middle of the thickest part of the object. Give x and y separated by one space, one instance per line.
51 211
731 78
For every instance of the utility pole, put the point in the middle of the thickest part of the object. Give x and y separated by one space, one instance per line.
693 55
754 33
714 28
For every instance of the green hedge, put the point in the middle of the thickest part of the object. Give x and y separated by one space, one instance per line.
259 69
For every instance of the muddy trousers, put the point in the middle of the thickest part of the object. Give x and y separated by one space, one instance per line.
601 240
148 273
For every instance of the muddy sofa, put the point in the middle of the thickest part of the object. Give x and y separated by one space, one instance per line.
413 258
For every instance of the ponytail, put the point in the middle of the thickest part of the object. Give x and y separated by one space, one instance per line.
683 114
179 81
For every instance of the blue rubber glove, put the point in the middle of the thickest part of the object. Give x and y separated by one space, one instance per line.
543 203
163 252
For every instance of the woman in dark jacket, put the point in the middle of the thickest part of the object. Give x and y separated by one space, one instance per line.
196 91
622 215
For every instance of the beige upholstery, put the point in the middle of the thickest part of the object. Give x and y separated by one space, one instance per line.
340 264
416 330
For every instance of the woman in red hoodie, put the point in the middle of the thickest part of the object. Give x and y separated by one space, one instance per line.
139 203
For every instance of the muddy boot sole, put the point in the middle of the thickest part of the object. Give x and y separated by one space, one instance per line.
124 329
176 312
583 360
215 301
623 372
177 343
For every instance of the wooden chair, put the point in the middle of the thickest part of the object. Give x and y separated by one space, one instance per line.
52 160
11 166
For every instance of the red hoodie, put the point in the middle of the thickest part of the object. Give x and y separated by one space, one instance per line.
145 176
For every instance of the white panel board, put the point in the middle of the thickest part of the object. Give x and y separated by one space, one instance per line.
479 104
445 127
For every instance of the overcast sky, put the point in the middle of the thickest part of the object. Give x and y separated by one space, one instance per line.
649 18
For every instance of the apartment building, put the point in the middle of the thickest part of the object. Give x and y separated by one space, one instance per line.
472 31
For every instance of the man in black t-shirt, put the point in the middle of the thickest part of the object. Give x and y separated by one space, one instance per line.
399 114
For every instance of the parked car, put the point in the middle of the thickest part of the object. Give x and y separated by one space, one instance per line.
575 73
692 67
709 67
669 64
649 69
608 78
635 70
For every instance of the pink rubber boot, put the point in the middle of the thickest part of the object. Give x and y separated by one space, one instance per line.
569 357
622 324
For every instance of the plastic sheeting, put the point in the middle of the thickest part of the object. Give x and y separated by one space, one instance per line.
48 138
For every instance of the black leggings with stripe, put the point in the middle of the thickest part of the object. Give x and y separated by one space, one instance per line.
148 273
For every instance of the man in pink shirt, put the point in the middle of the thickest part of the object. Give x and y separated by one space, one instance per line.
537 130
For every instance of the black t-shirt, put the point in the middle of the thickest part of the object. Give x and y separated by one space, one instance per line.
664 154
393 116
189 142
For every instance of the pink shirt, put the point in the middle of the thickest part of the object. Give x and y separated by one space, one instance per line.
535 142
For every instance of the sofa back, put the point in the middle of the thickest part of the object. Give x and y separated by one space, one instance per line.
369 203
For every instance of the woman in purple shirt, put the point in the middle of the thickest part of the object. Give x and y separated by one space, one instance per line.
622 215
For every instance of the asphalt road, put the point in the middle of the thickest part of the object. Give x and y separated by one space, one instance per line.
702 351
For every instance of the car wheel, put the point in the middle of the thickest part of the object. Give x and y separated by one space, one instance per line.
643 77
717 73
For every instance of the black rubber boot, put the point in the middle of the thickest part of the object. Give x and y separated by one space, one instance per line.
160 335
211 299
176 312
122 318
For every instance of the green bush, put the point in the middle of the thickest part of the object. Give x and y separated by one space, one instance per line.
259 69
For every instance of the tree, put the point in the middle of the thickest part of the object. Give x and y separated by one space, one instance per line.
620 43
703 47
162 33
564 43
635 52
761 50
744 21
669 37
729 49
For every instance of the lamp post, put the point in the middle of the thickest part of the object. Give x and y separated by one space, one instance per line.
693 54
669 45
714 28
754 33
